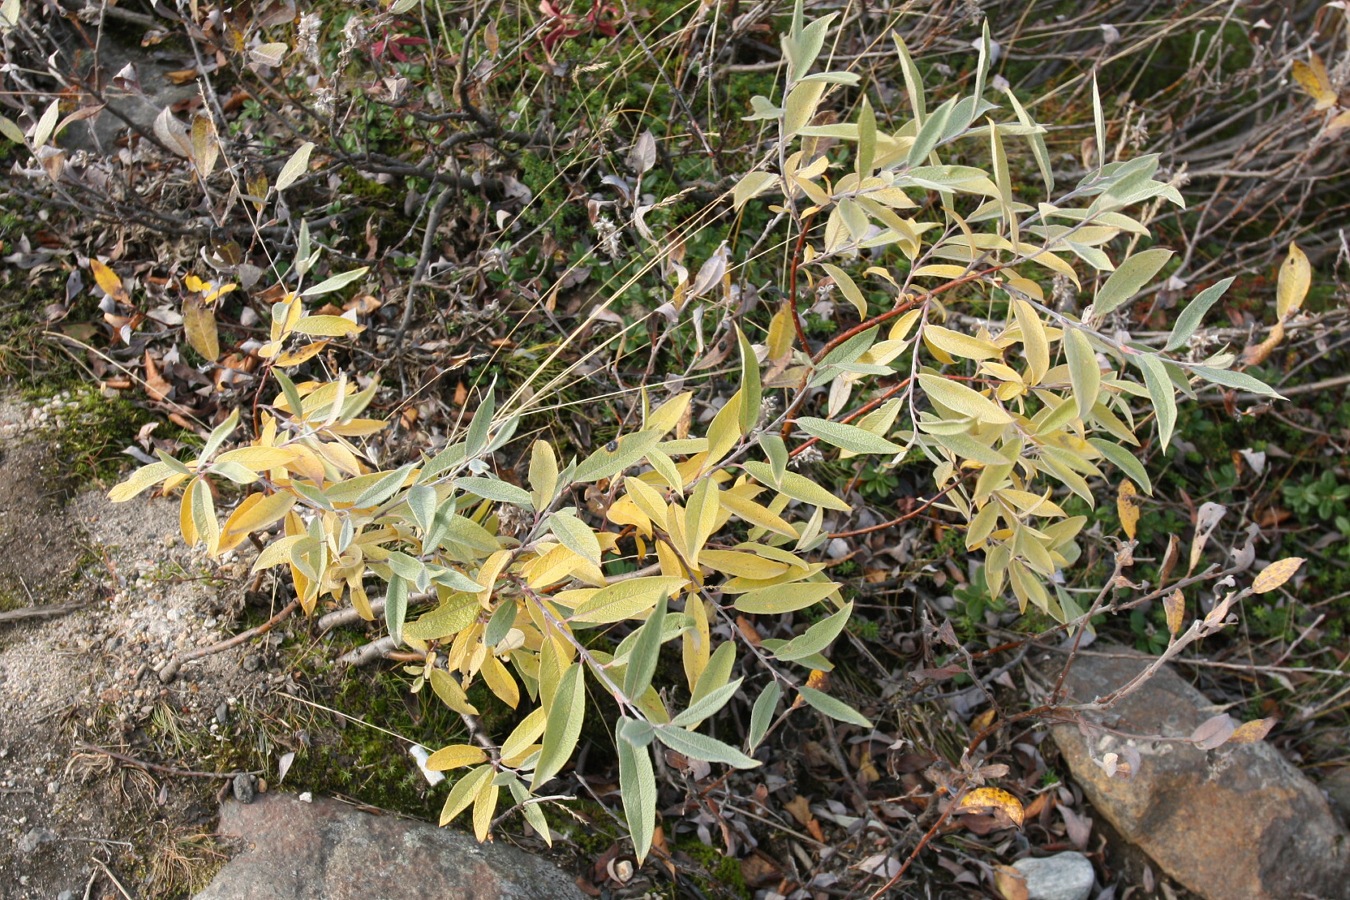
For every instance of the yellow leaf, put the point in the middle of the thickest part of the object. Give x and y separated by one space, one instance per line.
1127 506
500 682
327 326
304 354
1295 279
455 756
254 514
626 599
1276 574
258 458
1251 732
995 798
1312 77
1174 605
450 692
963 400
107 280
199 325
483 807
958 345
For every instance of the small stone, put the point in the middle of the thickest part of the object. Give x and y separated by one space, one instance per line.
244 790
66 895
34 838
252 663
1064 876
223 713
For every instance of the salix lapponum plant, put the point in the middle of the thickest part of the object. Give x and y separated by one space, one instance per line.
1012 412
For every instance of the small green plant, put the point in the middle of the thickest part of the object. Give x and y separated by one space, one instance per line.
1326 497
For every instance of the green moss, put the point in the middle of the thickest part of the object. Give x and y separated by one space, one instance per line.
720 875
88 431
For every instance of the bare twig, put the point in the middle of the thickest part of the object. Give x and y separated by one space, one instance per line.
170 670
29 613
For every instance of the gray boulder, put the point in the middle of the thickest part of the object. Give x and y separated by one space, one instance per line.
293 850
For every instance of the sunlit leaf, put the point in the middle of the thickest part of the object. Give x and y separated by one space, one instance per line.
1276 574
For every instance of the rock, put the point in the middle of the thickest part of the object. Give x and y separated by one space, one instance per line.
1239 821
299 851
245 787
34 838
1337 788
1064 876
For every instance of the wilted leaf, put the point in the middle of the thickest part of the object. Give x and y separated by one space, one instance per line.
1312 77
1174 605
995 798
295 166
199 324
1295 279
1276 574
1213 732
1251 732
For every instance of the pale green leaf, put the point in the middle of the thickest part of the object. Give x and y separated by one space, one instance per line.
626 599
1084 373
963 400
646 652
396 607
637 785
701 747
295 166
1194 314
817 637
1162 392
784 598
1124 460
336 282
565 717
761 715
496 490
833 707
847 437
1129 279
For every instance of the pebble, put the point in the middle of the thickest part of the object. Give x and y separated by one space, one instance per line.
223 713
252 663
1064 876
244 790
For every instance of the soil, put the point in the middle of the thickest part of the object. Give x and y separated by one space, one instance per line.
74 820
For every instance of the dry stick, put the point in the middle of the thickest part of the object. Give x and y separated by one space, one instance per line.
160 769
170 670
923 842
42 612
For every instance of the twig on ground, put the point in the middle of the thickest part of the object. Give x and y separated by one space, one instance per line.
159 769
171 668
28 613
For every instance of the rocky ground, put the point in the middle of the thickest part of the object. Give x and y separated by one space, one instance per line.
80 686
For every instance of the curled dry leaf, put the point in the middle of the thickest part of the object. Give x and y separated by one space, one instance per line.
1011 884
1206 519
1253 731
1276 574
1174 605
1213 732
997 799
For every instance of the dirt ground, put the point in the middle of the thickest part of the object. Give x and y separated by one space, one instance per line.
76 822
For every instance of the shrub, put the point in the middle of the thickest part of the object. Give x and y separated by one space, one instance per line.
960 355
